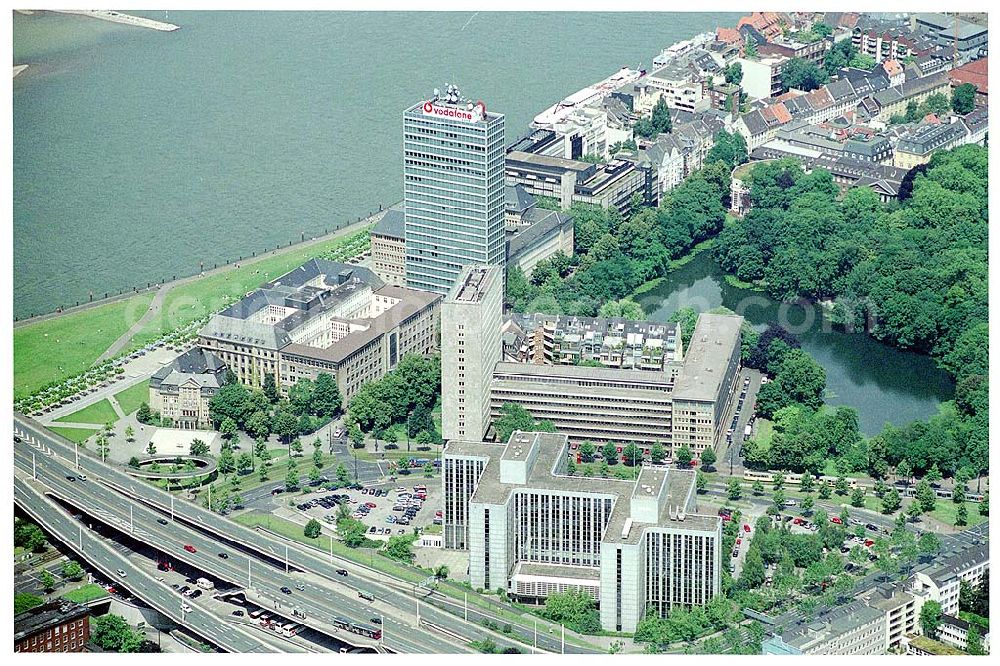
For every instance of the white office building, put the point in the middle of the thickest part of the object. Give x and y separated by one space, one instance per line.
532 529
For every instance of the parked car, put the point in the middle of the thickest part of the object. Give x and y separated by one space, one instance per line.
238 613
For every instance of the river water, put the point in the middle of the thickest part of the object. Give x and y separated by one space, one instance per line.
883 383
139 154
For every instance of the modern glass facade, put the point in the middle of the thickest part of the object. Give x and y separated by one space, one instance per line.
453 189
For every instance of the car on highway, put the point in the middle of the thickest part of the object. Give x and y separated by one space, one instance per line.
121 572
224 556
238 613
189 548
375 620
341 572
162 521
185 608
70 478
286 590
300 587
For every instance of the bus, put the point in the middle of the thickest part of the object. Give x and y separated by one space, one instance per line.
364 630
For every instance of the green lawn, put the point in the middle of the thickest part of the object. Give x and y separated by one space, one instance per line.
945 510
186 303
131 398
85 593
73 434
765 431
98 413
55 349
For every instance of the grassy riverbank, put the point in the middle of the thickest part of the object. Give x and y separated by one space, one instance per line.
61 347
55 349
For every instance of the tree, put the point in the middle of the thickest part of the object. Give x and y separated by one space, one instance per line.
244 463
571 467
802 75
984 506
930 618
708 457
904 470
858 497
807 504
151 449
656 454
610 453
701 481
734 490
285 425
515 417
326 400
400 547
226 462
312 529
24 602
958 494
271 388
198 448
292 480
891 501
778 480
113 633
47 580
963 98
144 415
356 436
925 496
933 474
824 491
758 488
841 486
587 452
808 482
684 457
343 478
750 48
228 428
317 459
133 462
914 511
129 434
574 609
258 425
734 73
778 499
974 641
632 455
71 569
961 516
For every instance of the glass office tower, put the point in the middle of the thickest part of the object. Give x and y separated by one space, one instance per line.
453 188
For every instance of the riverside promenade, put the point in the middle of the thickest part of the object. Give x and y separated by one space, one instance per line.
163 287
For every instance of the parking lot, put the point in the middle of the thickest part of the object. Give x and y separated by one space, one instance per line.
386 510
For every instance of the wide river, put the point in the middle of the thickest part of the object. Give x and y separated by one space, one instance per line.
883 383
140 154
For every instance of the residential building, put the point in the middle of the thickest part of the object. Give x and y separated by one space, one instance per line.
541 234
680 81
453 189
894 70
761 125
918 146
813 52
893 101
924 646
388 239
762 76
182 390
901 609
470 349
853 629
769 24
975 73
56 626
883 179
324 316
884 44
954 631
532 529
968 39
940 580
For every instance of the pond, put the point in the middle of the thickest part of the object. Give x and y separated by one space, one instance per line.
883 383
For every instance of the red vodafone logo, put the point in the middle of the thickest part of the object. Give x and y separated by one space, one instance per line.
473 114
428 107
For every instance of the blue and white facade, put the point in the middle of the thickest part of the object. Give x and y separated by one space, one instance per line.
453 187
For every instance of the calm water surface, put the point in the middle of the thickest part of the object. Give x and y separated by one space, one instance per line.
139 154
883 383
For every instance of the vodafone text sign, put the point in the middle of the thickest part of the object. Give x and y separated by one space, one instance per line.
477 113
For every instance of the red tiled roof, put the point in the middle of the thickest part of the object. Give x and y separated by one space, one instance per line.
892 67
781 113
728 35
974 73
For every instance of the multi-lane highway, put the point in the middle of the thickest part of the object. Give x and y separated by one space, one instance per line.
95 550
194 525
262 581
